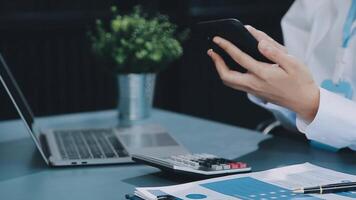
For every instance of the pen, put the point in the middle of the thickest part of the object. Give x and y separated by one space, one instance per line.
331 188
166 197
132 197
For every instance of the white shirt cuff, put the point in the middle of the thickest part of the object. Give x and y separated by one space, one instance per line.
334 123
257 100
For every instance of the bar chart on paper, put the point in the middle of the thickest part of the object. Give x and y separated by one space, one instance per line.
273 184
247 188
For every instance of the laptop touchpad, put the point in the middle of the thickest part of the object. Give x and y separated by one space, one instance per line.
145 136
148 140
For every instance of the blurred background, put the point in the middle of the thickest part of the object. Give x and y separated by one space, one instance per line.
45 44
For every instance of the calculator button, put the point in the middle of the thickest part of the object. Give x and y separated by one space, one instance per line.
216 167
205 162
235 165
238 165
226 167
242 165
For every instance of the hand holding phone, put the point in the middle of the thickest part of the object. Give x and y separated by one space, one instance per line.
286 81
235 32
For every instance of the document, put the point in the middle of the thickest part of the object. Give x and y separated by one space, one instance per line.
272 184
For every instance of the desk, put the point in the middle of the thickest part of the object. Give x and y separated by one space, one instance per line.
23 174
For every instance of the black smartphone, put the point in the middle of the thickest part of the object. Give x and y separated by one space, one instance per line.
234 31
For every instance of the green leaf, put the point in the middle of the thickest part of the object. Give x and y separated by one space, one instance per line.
135 43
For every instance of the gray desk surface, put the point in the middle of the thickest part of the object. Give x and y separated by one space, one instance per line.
23 175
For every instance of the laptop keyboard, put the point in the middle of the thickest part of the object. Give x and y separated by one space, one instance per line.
89 144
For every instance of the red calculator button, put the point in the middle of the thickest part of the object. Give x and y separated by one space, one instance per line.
234 165
242 165
238 165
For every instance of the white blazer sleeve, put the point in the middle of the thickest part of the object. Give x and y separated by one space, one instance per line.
335 122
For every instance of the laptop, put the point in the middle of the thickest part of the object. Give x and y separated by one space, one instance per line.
89 146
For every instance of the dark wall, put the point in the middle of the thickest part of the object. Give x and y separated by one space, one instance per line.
45 44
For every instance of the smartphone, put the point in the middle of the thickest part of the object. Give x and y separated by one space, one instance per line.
235 32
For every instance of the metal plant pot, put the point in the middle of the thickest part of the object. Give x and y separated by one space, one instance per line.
136 93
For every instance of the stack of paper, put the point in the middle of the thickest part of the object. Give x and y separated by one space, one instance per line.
272 184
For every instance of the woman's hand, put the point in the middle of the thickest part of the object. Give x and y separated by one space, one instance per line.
287 83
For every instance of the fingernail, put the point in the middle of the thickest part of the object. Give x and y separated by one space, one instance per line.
217 40
210 51
265 46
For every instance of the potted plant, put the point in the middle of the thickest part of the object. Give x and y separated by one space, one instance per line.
136 47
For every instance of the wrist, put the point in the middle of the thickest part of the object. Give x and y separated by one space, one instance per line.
310 106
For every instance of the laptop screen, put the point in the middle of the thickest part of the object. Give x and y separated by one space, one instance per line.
17 98
19 101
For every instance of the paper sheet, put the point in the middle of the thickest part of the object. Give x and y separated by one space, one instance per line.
272 184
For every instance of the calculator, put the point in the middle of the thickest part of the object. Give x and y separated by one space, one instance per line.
195 165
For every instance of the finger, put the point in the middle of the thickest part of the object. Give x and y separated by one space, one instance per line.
240 57
251 85
276 55
227 76
259 35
